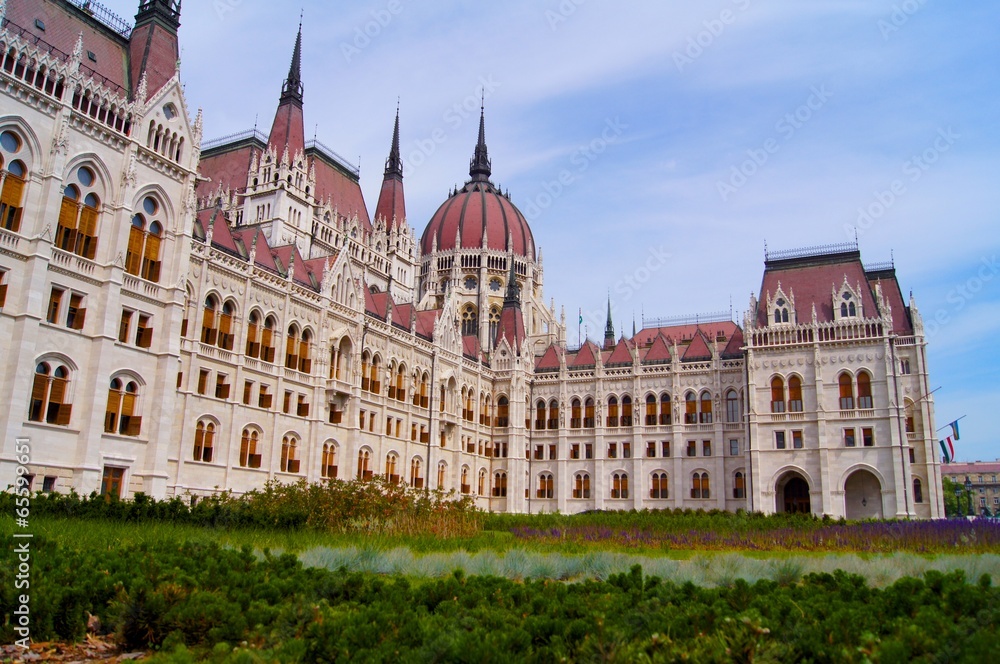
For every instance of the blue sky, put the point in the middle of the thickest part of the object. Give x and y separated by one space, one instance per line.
689 133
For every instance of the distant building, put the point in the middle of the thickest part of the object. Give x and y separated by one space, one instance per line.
182 335
985 487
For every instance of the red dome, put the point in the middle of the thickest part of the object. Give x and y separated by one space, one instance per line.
475 210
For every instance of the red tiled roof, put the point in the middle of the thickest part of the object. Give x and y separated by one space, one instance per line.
63 25
425 322
288 130
263 256
376 304
659 351
548 360
221 236
401 314
894 298
586 356
511 327
734 348
289 255
343 190
228 169
391 206
621 354
811 281
470 347
153 45
478 209
685 332
973 468
698 349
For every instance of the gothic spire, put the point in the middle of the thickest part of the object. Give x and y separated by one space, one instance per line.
609 328
291 90
479 168
394 164
513 296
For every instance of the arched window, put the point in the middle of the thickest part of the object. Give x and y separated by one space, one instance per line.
665 413
120 415
416 468
76 231
626 411
13 175
142 257
470 322
267 339
545 485
705 414
733 412
297 350
553 421
612 419
364 464
499 484
846 392
50 395
503 412
466 488
658 488
619 485
204 441
540 414
289 454
739 485
581 485
864 390
777 395
494 325
217 324
690 408
588 414
918 490
400 384
795 394
575 414
391 470
328 463
250 456
253 336
481 488
650 410
699 486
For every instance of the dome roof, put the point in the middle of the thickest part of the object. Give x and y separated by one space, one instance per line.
477 211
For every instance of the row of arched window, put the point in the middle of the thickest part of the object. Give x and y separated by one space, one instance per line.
77 225
621 412
853 391
618 487
51 401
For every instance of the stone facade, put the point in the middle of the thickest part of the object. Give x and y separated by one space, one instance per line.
182 335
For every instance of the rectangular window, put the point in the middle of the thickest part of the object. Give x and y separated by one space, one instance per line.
706 448
3 284
286 404
779 440
49 484
264 400
221 387
55 300
552 453
574 451
144 332
612 450
589 450
868 436
111 483
665 448
651 449
539 452
797 440
692 449
75 313
734 447
848 437
626 450
913 456
203 381
124 325
247 392
302 408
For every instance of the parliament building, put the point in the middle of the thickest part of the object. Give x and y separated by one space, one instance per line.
181 317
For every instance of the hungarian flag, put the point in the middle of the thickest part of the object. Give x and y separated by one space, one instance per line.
948 449
954 429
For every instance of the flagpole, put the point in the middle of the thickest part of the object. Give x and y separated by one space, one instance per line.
952 422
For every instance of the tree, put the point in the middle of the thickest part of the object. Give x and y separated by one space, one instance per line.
952 507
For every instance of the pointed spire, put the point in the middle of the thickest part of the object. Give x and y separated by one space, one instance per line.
480 167
394 164
292 88
609 328
513 296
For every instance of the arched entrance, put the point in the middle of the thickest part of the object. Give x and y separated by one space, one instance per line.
792 494
862 496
